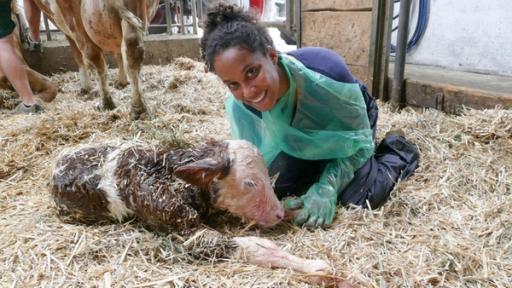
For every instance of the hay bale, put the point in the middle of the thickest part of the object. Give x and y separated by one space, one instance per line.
449 225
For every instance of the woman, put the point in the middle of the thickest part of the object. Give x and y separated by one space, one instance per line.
312 120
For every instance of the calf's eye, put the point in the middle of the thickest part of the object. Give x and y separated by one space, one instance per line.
250 184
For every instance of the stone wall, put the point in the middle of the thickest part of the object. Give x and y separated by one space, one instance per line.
341 25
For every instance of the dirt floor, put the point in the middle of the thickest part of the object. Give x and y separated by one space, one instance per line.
450 225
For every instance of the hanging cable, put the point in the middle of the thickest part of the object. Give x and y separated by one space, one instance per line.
421 26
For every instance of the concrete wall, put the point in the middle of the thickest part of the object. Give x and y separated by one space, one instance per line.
467 35
158 50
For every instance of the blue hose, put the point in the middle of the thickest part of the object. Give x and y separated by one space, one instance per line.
421 27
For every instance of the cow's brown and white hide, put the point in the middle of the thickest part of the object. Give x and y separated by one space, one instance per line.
116 27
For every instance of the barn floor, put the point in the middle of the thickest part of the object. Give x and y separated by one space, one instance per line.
450 225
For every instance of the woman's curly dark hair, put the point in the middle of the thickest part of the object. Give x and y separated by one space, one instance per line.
229 26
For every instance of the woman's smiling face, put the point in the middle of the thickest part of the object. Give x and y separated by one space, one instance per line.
252 77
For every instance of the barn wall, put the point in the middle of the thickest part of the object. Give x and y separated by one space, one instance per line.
466 35
159 50
341 25
341 5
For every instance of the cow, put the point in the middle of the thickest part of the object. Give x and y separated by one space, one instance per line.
94 27
40 84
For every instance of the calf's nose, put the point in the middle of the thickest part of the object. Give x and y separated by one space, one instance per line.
280 215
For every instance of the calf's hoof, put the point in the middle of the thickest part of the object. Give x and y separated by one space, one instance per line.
139 112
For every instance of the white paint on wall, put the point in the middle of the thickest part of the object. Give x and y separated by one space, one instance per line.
467 35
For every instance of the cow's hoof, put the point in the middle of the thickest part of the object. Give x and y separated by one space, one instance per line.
92 94
139 113
120 84
103 107
108 104
85 91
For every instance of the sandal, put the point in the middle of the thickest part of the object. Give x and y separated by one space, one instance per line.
30 44
32 109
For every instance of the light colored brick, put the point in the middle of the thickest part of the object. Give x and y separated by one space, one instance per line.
341 5
347 33
360 72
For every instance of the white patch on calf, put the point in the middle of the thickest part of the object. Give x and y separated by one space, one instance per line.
116 205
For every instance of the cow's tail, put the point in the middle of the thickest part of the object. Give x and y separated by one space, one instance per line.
128 16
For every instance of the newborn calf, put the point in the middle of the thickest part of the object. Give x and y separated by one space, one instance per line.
116 182
109 182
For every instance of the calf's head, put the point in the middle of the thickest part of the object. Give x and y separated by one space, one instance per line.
238 181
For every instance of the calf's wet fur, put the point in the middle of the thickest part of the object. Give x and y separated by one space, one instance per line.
107 182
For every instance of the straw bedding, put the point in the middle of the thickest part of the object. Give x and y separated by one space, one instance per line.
450 225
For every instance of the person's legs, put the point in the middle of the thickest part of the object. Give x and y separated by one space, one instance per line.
395 159
14 69
295 175
371 108
33 14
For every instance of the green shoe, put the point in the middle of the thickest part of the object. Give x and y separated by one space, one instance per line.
32 109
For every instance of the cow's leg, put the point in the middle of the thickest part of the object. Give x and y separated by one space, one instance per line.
133 53
4 84
85 80
121 80
40 84
94 55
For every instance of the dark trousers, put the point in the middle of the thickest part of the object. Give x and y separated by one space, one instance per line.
395 159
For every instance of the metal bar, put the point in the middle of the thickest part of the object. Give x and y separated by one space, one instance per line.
277 24
386 45
194 17
375 47
200 12
182 16
289 15
47 28
297 19
168 20
379 48
172 25
398 92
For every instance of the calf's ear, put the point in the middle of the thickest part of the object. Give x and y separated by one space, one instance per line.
202 172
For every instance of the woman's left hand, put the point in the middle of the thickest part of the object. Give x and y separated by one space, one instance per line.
317 207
